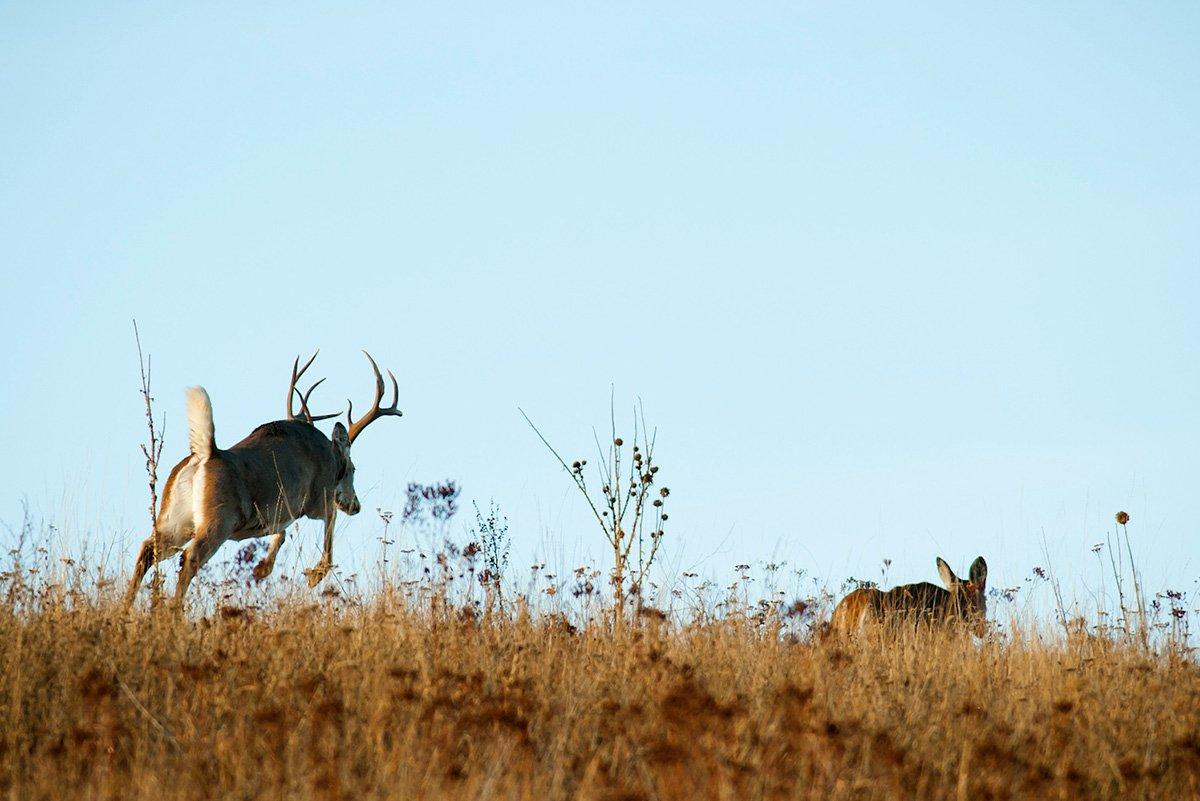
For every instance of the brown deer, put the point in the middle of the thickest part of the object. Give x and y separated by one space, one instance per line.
281 472
962 601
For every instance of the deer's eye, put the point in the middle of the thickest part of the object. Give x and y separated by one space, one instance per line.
341 472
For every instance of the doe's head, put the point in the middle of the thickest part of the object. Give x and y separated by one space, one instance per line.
343 492
968 598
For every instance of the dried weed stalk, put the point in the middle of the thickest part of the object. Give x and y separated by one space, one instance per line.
629 507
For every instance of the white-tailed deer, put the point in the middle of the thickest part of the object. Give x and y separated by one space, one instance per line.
962 601
281 472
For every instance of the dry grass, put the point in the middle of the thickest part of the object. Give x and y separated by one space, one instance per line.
383 700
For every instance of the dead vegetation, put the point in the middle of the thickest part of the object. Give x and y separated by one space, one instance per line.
383 699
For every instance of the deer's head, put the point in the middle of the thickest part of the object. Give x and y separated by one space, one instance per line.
343 492
969 597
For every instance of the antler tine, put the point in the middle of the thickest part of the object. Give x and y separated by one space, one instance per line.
312 418
307 364
395 390
378 379
292 388
377 411
304 399
298 372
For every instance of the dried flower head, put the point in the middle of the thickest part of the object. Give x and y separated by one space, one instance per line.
1122 517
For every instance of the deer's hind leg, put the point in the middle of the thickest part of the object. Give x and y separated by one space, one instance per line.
206 542
146 560
174 530
213 517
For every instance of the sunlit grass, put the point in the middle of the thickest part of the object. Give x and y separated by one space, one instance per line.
407 693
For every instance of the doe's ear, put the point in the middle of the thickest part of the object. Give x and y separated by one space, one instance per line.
979 572
948 577
341 439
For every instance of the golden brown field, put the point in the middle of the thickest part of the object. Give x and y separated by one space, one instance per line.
321 697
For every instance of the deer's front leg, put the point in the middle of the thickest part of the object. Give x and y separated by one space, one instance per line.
264 568
321 569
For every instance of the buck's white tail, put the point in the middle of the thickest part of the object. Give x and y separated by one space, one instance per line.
200 422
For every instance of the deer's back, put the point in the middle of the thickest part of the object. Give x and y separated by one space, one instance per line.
289 435
281 470
922 599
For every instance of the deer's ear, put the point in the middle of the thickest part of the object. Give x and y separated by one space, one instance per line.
948 577
979 572
341 440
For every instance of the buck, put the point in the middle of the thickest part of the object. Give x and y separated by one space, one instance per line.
281 472
960 601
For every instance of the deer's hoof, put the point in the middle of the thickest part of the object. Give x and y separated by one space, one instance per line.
262 570
317 574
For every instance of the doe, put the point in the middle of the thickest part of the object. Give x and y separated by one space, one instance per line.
959 601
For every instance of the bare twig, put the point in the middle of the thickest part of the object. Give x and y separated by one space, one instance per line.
152 450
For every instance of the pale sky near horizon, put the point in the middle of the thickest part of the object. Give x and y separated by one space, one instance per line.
892 283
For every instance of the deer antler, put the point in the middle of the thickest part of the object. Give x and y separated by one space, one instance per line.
305 415
377 411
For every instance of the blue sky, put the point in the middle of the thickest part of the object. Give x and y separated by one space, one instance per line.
892 283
